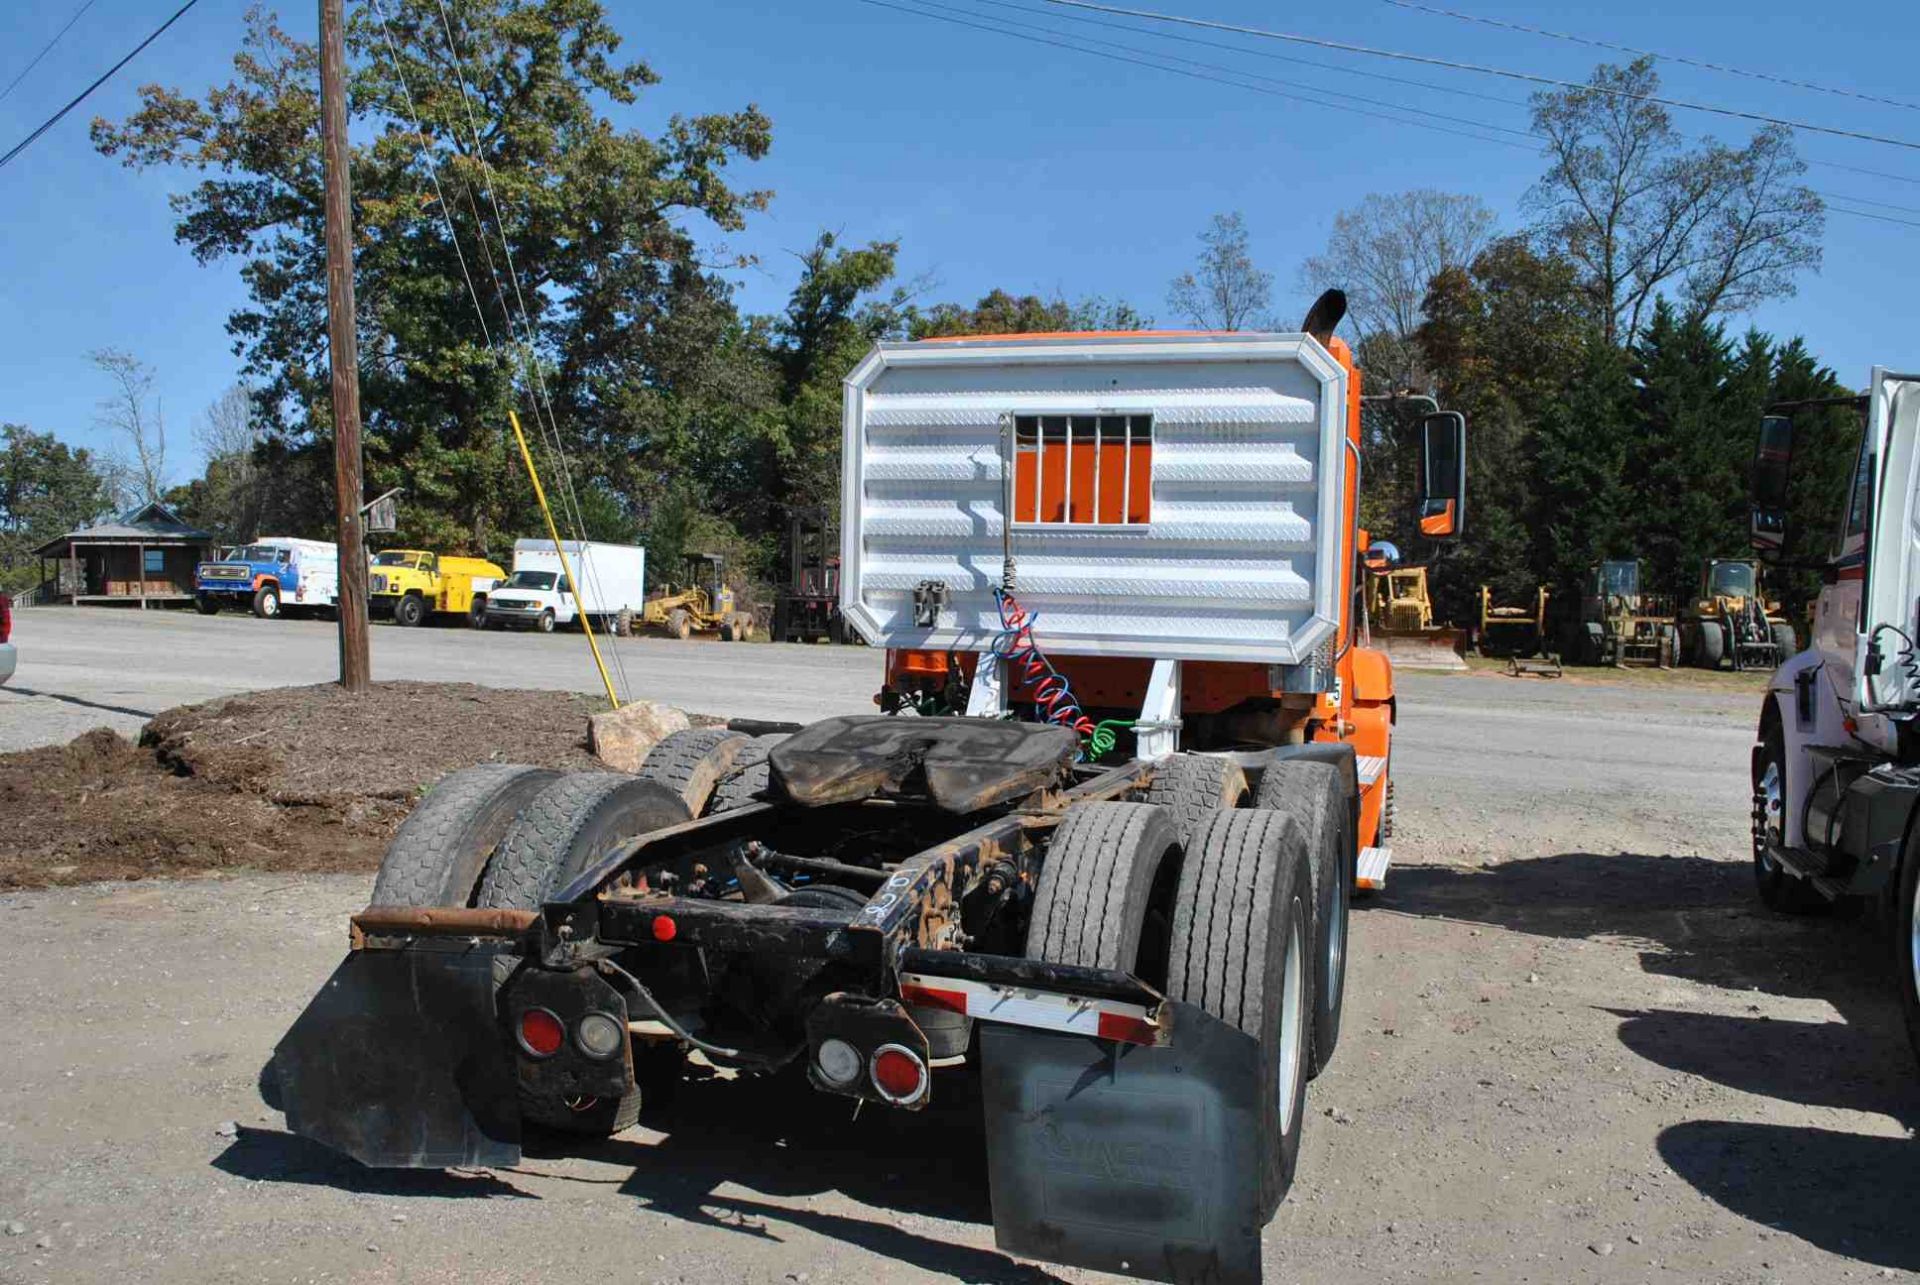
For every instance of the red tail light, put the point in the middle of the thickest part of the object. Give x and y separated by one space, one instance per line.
541 1033
899 1074
6 617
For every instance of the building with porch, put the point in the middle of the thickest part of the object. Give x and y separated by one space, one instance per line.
146 556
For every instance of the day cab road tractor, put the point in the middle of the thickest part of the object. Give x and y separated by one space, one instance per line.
701 603
1836 764
1730 622
1113 884
412 586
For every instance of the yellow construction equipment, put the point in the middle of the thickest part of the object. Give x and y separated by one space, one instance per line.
1400 612
701 603
1518 633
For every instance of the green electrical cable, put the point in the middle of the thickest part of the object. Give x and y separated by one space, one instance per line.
1105 734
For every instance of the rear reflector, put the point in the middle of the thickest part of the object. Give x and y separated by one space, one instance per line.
1104 1019
664 929
899 1074
541 1033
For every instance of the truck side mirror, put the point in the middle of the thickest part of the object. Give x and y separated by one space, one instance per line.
1443 475
1772 467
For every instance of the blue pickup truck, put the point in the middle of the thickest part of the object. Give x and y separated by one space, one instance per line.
269 575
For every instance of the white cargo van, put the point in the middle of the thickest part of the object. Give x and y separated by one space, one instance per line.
611 577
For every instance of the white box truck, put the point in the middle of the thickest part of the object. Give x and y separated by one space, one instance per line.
611 578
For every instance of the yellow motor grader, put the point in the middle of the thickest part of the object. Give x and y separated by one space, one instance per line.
701 603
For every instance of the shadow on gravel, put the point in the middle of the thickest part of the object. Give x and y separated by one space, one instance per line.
14 690
269 1155
1844 1192
778 1138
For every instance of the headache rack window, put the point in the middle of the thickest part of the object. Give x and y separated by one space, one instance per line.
1083 470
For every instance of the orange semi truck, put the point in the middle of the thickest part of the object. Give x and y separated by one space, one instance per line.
1097 849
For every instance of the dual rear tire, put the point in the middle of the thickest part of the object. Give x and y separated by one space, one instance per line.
1225 924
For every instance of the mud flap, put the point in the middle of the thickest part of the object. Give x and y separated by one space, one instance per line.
400 1062
1125 1158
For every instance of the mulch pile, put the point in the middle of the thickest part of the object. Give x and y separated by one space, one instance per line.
297 778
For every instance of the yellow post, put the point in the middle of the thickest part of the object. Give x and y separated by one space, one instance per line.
566 569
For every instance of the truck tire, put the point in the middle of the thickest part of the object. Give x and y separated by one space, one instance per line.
1311 794
1785 640
477 613
1712 646
1779 891
1240 950
679 624
692 762
568 825
409 610
1090 907
726 629
266 601
1194 786
1906 942
749 776
207 604
545 624
437 857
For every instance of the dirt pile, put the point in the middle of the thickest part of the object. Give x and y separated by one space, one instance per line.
297 778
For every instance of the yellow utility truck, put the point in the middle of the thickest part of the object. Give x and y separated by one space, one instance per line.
408 585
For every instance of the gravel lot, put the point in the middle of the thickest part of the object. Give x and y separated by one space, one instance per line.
1576 1048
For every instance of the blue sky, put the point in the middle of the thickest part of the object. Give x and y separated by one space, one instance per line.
994 161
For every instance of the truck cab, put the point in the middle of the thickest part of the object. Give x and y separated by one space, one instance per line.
530 599
1836 764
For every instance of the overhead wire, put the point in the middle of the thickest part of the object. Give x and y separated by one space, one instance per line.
45 49
87 93
550 431
1483 69
1678 59
984 25
432 164
1003 26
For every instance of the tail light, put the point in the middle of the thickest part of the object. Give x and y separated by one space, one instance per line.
6 617
899 1074
541 1033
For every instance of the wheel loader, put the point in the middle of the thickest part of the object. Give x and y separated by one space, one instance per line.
701 603
1111 886
1400 621
1619 624
1730 622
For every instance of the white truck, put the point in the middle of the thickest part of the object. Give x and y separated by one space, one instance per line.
612 578
1836 768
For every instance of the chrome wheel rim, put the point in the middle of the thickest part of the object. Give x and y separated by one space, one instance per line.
1293 999
1913 932
1337 941
1769 814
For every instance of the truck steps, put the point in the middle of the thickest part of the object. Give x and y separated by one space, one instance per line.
1371 873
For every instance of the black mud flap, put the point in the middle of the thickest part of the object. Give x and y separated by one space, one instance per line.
1124 1158
400 1062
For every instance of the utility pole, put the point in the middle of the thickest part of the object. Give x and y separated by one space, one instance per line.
343 353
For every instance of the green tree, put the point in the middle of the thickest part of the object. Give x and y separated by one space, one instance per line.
46 489
492 125
1825 443
1226 290
999 312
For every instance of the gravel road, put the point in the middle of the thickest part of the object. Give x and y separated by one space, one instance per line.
1576 1048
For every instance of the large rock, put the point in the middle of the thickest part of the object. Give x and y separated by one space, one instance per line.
622 737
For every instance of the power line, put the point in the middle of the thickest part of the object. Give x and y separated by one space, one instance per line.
1112 44
1196 75
1855 169
1482 69
86 93
1648 53
1262 53
45 50
1067 44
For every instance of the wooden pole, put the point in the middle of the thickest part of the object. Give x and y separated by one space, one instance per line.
343 352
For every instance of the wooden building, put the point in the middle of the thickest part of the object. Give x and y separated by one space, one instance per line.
146 556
